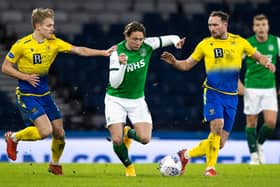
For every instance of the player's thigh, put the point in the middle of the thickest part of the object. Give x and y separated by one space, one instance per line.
269 100
213 107
43 125
51 108
229 117
30 108
144 131
270 118
116 131
115 111
138 112
252 101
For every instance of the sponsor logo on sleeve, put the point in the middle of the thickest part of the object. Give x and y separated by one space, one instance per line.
11 55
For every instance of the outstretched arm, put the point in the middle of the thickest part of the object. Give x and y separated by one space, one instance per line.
263 60
9 69
85 51
164 41
183 65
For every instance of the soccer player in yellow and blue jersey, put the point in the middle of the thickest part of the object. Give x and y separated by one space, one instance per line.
222 53
33 55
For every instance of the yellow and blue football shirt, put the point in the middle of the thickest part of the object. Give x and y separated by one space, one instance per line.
33 57
223 60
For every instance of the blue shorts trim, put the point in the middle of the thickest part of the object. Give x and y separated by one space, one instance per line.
218 105
32 107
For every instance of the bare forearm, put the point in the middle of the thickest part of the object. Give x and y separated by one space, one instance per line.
184 65
181 65
263 60
85 51
11 71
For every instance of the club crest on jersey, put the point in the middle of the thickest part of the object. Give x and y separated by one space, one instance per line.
212 112
143 52
270 48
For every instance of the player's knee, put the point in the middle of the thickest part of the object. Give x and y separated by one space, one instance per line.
217 130
222 144
45 133
145 140
58 133
117 140
271 123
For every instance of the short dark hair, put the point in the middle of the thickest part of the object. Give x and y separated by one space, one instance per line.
134 26
260 17
223 15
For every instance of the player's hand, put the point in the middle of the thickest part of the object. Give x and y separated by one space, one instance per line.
168 58
123 58
109 51
33 79
180 44
271 67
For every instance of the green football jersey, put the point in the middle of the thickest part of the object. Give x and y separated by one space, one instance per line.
256 75
133 84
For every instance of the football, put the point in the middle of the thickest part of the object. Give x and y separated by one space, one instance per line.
170 165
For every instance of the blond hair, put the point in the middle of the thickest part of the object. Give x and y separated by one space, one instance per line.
40 14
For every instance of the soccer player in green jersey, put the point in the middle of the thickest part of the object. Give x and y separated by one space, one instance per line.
222 53
260 93
125 93
33 55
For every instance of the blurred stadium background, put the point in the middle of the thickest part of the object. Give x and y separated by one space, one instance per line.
79 83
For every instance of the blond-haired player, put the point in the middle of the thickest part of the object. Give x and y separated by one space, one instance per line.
34 54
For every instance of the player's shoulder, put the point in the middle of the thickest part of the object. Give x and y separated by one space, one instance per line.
206 39
24 40
274 37
121 46
54 38
235 36
148 43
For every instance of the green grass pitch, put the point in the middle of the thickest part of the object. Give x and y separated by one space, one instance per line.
106 175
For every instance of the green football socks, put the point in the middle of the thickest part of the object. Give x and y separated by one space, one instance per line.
264 133
251 136
132 134
122 153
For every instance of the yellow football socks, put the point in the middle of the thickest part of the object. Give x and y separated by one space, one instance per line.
213 150
57 149
199 150
28 134
208 147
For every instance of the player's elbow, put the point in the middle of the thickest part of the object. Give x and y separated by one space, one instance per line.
115 84
4 68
